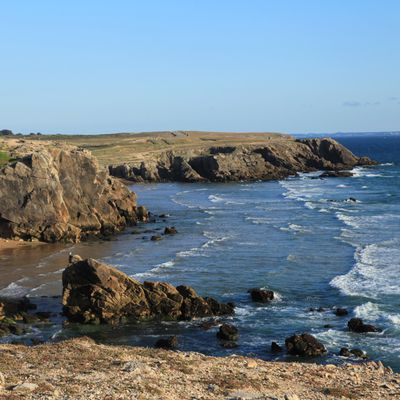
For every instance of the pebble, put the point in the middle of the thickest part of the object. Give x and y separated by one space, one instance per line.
251 364
25 387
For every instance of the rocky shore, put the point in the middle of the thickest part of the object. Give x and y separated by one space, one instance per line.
55 192
82 369
277 159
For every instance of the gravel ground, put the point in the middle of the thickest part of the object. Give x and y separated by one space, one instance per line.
82 369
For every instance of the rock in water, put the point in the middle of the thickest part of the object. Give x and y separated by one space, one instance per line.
170 230
336 174
94 292
170 343
228 332
261 295
357 325
57 192
304 345
275 347
341 312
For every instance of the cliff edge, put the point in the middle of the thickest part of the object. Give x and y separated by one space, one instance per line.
56 192
278 158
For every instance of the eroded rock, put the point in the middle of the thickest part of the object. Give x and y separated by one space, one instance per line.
57 192
94 292
277 160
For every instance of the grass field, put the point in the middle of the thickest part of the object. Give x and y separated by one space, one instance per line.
125 147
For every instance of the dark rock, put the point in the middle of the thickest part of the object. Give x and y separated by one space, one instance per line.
357 325
43 315
352 200
169 343
304 345
336 174
319 309
358 353
341 312
261 295
275 347
170 230
344 352
228 332
163 216
30 319
94 292
156 238
207 325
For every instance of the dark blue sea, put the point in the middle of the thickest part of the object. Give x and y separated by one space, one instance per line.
303 238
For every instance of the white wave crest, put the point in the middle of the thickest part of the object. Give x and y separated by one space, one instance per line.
375 272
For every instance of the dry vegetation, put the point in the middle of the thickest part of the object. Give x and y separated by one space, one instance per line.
81 369
126 147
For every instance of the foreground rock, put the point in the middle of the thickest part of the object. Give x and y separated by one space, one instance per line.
276 158
94 292
304 345
357 325
81 369
54 192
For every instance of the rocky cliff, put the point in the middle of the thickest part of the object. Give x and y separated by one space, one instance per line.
278 158
53 192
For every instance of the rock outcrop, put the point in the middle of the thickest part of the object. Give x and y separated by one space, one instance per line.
55 192
279 159
94 292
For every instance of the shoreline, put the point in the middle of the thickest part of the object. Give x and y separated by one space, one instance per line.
80 368
9 244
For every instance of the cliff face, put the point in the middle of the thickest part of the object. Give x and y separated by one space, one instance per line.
279 159
57 192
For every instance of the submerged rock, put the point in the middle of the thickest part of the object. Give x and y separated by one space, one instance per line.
261 295
336 174
341 312
94 292
304 345
357 325
170 343
170 230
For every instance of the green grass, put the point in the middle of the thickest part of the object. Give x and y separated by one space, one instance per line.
4 158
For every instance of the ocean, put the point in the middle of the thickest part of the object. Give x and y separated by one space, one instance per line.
314 242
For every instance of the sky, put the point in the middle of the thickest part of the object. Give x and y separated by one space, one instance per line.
220 65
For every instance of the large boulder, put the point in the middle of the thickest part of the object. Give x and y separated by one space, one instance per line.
94 292
57 192
304 345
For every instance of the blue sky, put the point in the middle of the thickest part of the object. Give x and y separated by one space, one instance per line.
249 65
